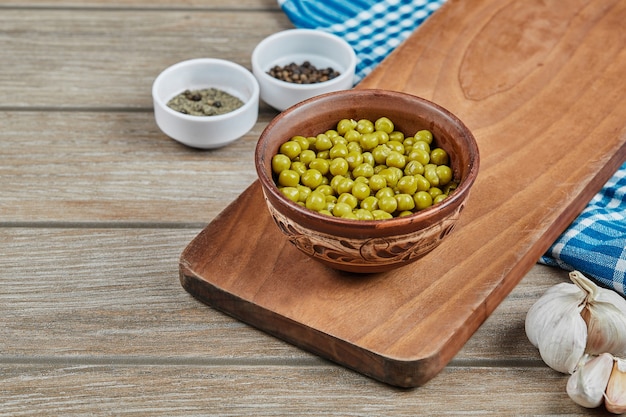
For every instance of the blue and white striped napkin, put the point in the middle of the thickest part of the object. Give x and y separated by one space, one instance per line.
594 244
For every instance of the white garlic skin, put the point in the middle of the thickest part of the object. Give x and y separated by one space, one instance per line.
615 395
554 325
586 386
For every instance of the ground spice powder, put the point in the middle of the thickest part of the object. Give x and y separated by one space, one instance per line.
204 102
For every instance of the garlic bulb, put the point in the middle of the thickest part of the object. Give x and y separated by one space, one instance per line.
587 384
570 320
615 396
554 326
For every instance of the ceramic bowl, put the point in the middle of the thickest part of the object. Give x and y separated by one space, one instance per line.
206 132
321 49
378 245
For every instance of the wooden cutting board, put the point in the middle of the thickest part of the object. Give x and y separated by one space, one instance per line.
542 86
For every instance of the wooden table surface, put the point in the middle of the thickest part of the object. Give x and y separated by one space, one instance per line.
96 206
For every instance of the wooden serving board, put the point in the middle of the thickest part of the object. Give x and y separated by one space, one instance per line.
542 86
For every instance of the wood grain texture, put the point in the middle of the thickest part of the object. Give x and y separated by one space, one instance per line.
96 206
532 131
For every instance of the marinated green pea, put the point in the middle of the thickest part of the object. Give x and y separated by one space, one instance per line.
430 173
316 201
396 146
334 182
325 189
396 135
354 159
304 142
352 136
384 124
291 193
425 135
323 142
444 173
419 155
383 137
354 147
304 192
324 154
368 158
363 170
385 192
434 192
364 126
396 159
291 148
288 178
322 165
349 199
332 134
380 153
405 213
423 145
369 203
338 166
280 163
449 188
350 216
405 202
341 209
368 141
312 178
422 200
307 156
381 215
422 183
388 204
345 125
439 156
326 212
439 198
361 190
299 167
339 150
413 168
407 184
363 214
377 182
344 186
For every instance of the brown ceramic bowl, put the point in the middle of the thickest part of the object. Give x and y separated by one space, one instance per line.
358 245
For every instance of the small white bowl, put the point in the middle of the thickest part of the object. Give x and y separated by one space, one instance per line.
320 48
206 132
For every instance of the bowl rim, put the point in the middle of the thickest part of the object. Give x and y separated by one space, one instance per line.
211 63
447 205
261 72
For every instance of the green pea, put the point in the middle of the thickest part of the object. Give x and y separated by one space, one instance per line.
280 162
377 182
291 148
344 186
291 193
352 136
414 168
368 141
363 170
425 135
439 198
361 190
396 159
405 202
422 200
288 178
302 141
444 173
323 142
407 184
345 125
349 199
299 167
354 159
322 165
364 126
385 192
363 214
381 215
369 203
339 150
439 156
316 201
423 145
312 178
307 156
384 124
419 155
341 209
338 166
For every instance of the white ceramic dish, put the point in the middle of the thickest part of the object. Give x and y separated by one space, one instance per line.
206 132
321 49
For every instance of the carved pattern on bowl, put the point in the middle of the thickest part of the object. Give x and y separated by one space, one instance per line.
390 250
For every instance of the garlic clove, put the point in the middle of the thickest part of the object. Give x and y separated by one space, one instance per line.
604 312
563 342
587 384
615 395
540 316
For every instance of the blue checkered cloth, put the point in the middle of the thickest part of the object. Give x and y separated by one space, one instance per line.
594 244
